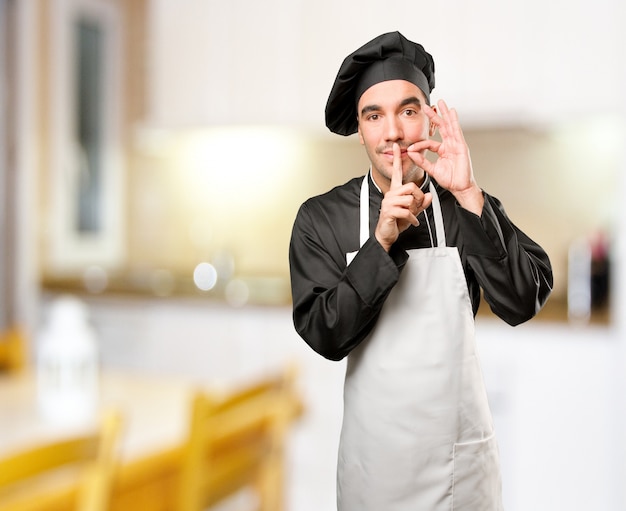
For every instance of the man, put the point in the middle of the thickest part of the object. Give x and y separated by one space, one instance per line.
387 270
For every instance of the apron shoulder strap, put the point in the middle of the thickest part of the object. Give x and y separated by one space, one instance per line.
441 234
364 232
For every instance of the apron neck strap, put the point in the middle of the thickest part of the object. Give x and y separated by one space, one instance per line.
364 232
441 234
364 215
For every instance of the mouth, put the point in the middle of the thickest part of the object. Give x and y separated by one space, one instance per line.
388 153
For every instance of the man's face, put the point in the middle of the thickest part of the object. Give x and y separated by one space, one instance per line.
389 112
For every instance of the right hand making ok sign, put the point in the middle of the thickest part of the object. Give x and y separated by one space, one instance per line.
400 205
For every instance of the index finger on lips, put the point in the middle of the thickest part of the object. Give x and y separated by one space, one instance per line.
396 175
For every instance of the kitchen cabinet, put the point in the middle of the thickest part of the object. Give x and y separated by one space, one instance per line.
274 62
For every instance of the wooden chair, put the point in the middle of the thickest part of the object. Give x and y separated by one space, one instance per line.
238 442
13 352
77 469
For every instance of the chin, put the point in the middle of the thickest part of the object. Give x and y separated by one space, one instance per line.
416 175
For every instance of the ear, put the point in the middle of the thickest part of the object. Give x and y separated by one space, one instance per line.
359 132
432 128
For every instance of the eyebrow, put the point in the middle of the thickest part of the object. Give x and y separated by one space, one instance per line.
412 100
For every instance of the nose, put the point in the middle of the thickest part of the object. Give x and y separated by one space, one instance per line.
393 128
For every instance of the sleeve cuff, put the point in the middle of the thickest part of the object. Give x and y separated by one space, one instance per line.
374 272
482 235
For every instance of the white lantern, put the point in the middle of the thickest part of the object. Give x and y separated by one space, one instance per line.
67 363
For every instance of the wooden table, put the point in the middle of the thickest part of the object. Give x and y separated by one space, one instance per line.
155 413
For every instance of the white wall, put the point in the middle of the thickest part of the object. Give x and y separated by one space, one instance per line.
556 401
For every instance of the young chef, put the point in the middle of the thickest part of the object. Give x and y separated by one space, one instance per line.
388 269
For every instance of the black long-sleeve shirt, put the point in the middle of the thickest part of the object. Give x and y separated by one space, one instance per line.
336 305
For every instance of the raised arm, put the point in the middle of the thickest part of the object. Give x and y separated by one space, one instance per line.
335 305
453 168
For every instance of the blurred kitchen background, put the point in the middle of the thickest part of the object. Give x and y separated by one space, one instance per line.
154 153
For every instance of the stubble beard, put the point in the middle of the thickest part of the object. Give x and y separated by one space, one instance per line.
413 174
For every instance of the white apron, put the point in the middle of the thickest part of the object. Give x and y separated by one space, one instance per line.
417 431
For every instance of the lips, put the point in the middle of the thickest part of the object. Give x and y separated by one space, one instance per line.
389 153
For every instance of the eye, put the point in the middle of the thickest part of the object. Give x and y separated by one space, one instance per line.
409 112
373 117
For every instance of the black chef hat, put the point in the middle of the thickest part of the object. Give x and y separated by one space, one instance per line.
389 56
